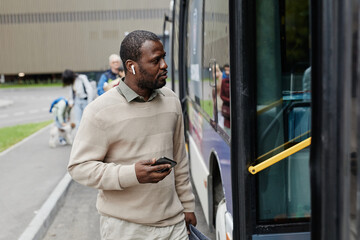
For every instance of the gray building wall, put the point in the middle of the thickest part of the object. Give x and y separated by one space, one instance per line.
48 36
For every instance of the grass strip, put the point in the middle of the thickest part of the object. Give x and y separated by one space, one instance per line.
30 85
14 134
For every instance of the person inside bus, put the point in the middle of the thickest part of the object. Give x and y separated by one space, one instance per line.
226 72
119 139
110 75
306 80
225 97
216 96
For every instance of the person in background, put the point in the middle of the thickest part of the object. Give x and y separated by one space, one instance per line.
306 80
226 72
116 81
81 92
110 75
121 135
60 133
216 96
225 97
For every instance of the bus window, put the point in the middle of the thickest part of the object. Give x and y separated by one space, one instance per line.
283 108
216 92
194 55
175 48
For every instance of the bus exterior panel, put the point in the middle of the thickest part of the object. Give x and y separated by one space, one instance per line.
208 152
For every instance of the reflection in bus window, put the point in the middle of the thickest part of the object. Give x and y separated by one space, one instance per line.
225 97
226 72
217 101
195 51
175 48
215 86
284 112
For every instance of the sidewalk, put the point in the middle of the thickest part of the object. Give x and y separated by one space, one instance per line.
29 172
78 218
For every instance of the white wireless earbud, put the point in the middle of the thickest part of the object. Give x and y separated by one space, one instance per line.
133 68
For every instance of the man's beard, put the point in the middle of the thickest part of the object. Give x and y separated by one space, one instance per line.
145 84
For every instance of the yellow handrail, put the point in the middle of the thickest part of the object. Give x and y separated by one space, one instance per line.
280 156
282 146
268 107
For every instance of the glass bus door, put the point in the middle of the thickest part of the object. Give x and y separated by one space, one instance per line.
283 116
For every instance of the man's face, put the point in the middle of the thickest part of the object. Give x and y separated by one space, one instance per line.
152 66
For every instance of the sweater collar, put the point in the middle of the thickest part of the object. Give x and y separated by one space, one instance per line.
131 95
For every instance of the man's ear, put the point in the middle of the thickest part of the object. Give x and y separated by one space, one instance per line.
129 64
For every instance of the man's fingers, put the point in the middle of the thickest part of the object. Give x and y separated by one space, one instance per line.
148 162
146 173
162 167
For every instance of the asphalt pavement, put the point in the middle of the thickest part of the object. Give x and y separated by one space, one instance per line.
27 105
5 103
40 201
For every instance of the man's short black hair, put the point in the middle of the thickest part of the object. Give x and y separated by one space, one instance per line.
130 46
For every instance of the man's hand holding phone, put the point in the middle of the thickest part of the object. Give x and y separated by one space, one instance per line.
153 171
162 161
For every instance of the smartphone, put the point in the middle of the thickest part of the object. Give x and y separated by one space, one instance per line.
164 160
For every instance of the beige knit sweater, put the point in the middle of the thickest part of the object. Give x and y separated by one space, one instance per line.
113 135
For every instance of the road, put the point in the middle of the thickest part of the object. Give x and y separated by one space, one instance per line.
28 104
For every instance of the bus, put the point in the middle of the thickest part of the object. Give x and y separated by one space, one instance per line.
269 93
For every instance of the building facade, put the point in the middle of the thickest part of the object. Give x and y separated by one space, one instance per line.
48 36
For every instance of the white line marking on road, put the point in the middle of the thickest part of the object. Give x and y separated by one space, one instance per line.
4 116
34 111
19 113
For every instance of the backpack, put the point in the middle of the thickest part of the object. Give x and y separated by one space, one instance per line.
56 101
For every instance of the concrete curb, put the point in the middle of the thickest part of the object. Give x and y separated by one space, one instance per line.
39 225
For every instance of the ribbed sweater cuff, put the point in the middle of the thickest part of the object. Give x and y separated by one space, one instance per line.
189 207
127 176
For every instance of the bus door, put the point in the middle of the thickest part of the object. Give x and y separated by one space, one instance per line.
283 119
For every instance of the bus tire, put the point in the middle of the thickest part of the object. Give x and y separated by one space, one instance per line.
218 192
